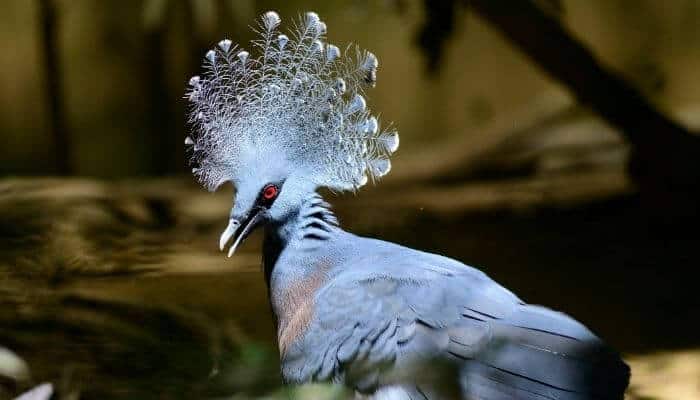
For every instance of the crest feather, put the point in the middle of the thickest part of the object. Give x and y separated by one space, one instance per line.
299 99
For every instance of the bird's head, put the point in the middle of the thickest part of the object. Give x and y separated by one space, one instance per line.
283 124
265 194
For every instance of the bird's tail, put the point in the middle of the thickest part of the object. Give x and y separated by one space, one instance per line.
540 354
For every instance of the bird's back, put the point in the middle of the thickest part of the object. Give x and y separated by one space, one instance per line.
435 328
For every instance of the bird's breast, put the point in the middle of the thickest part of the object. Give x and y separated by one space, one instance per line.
293 302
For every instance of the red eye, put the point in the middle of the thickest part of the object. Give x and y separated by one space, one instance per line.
270 192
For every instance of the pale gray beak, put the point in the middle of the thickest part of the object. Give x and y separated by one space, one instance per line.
233 231
228 233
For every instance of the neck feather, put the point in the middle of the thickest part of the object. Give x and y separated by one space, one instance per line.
307 229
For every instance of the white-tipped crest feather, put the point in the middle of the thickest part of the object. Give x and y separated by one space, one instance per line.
243 56
370 62
299 100
271 20
358 103
371 125
211 56
225 45
332 52
380 167
282 41
391 141
312 19
363 181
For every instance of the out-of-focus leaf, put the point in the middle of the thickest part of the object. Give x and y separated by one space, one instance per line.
41 392
13 366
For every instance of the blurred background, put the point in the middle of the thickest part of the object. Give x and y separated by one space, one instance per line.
552 143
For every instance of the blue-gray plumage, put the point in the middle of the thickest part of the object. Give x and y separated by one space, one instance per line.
374 314
383 319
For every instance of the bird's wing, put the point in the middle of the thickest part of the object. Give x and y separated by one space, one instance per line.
386 325
363 320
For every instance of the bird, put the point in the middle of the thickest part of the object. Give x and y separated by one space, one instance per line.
385 320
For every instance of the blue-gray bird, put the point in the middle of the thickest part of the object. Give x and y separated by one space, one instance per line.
385 320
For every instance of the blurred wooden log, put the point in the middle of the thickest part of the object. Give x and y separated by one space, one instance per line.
117 290
666 375
101 297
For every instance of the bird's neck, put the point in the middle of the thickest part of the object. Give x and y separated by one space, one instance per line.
307 230
299 256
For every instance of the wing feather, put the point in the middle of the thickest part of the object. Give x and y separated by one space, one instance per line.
374 328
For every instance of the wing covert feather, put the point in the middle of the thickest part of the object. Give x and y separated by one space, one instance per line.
377 327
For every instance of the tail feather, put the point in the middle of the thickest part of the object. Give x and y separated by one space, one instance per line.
535 353
484 382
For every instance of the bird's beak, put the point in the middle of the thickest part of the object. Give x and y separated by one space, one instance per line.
238 230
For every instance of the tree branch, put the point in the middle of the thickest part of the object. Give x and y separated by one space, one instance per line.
54 91
663 150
